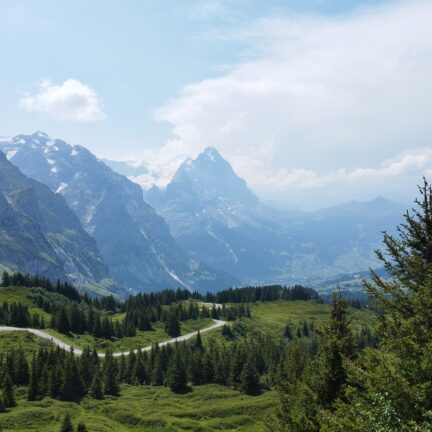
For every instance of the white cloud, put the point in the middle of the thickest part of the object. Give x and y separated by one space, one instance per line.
70 101
322 97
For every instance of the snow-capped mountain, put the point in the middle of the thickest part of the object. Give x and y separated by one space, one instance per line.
217 218
134 241
40 234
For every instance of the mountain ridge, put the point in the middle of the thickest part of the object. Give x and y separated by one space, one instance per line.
134 241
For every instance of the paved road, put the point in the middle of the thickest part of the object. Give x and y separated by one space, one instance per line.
65 346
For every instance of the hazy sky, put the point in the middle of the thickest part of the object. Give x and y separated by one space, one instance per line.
314 102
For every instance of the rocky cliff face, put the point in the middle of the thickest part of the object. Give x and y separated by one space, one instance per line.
134 241
40 234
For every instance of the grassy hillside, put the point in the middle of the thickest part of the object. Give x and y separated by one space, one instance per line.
206 408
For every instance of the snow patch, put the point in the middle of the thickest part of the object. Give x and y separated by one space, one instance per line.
50 161
54 169
10 154
61 187
74 152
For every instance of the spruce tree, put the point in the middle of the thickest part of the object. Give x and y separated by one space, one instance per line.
157 374
96 388
176 373
172 325
8 392
73 388
110 384
66 425
249 378
62 321
33 389
198 342
81 428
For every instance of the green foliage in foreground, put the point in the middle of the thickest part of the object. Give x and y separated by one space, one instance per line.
383 389
207 408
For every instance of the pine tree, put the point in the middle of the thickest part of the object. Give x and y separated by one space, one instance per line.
73 388
172 325
33 389
196 372
288 332
96 390
5 279
305 329
66 425
55 382
337 343
62 321
249 378
8 392
198 342
110 384
176 373
81 428
157 374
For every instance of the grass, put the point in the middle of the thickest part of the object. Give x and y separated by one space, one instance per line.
272 317
21 295
142 338
207 408
30 342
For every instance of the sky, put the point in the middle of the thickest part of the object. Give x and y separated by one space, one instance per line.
314 103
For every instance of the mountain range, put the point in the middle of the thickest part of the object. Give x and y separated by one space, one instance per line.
135 242
215 217
204 230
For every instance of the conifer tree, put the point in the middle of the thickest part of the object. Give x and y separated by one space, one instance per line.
8 392
66 425
73 388
176 373
172 325
157 374
196 371
110 384
96 390
81 428
198 342
55 382
5 279
33 389
249 378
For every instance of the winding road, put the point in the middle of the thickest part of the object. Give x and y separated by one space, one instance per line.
65 346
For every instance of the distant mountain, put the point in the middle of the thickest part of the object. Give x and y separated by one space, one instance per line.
134 241
40 234
217 218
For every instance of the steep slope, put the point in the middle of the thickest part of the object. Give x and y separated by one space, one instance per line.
134 241
40 234
215 216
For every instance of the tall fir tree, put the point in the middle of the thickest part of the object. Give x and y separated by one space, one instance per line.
66 425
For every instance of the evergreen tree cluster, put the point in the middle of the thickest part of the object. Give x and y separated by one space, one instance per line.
25 280
264 293
63 375
16 314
